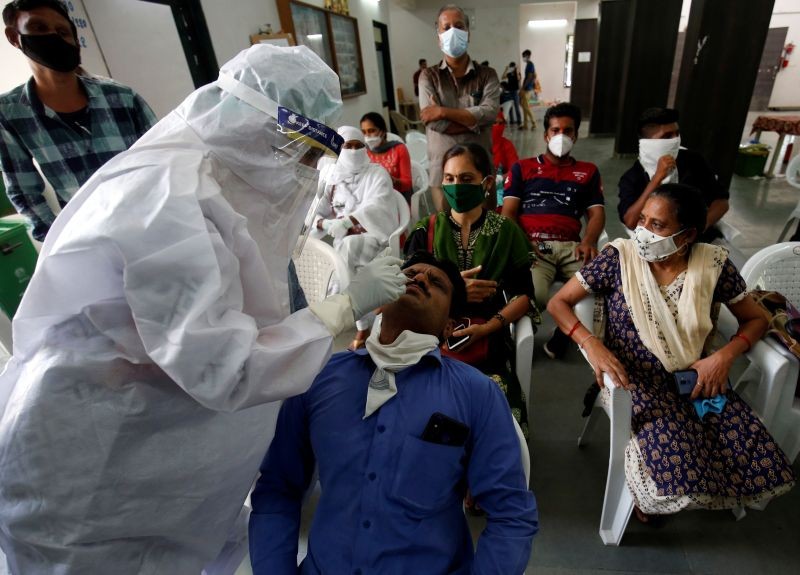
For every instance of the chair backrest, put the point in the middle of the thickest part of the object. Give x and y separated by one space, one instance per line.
392 137
524 452
403 217
793 172
419 176
791 223
418 150
400 122
320 268
776 268
413 135
5 336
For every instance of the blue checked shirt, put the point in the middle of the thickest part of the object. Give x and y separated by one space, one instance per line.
29 131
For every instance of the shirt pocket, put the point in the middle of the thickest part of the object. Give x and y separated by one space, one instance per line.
427 475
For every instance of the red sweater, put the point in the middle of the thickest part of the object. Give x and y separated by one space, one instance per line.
398 163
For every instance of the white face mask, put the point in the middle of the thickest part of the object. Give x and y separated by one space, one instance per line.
352 160
652 247
560 145
454 42
373 141
651 150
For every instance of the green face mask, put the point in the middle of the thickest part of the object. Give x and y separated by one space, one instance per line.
463 197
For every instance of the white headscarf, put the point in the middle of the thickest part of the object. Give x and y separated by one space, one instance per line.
351 162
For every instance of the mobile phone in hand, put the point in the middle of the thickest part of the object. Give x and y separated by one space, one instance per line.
685 381
453 343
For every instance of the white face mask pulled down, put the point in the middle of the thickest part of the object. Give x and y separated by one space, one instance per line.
651 150
405 351
560 145
652 247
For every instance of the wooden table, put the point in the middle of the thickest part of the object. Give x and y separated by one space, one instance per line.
783 125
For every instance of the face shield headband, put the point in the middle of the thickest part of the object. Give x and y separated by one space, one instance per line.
306 142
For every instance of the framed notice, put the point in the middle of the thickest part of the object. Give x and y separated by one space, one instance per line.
333 37
346 47
276 39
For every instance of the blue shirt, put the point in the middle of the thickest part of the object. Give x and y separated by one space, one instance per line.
67 152
391 503
530 69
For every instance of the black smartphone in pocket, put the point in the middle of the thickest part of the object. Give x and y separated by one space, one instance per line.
453 343
445 430
685 381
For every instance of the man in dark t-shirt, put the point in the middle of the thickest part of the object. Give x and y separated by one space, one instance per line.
662 160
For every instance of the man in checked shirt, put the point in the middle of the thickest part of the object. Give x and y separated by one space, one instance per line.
68 124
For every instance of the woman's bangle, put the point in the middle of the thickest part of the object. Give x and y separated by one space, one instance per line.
584 340
501 318
574 327
744 339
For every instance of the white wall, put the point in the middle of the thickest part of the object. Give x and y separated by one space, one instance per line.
786 91
142 49
548 45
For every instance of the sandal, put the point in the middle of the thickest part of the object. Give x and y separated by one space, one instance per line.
654 521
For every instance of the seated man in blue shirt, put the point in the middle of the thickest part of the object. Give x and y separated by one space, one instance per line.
399 434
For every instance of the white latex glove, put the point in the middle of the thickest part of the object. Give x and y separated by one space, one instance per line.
380 281
337 228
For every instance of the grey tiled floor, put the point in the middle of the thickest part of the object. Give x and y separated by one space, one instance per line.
569 482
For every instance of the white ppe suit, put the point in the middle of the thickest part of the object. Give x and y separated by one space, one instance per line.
154 341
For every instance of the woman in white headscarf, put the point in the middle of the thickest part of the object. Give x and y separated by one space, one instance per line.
358 209
154 342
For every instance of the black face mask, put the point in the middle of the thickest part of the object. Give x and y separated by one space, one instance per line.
51 50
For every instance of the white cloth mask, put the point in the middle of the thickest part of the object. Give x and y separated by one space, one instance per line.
373 141
352 161
651 150
403 352
454 42
652 247
560 145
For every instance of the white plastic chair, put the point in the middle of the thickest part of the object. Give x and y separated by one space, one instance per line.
317 267
522 332
618 405
5 336
770 391
416 136
403 216
418 150
392 137
793 177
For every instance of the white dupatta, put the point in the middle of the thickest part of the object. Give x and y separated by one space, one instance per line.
676 343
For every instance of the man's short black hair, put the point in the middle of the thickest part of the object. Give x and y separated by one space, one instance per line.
656 117
562 110
458 299
12 10
422 61
526 53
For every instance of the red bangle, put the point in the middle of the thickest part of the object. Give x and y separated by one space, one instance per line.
574 327
743 338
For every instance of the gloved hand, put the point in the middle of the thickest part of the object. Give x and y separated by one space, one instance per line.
337 228
380 281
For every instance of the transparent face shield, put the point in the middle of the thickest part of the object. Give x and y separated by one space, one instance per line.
303 142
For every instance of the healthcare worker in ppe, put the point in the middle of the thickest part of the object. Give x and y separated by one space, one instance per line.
154 342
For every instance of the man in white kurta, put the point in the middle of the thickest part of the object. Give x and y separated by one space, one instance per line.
154 342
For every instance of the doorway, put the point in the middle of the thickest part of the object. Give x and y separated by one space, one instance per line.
381 34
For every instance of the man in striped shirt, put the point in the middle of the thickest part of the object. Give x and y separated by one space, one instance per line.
58 126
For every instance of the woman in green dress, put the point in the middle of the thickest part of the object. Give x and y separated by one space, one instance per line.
494 257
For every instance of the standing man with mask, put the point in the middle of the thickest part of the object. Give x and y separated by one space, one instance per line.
458 99
154 343
69 125
548 195
662 160
528 86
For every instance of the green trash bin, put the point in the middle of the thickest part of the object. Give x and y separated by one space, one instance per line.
17 262
750 160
